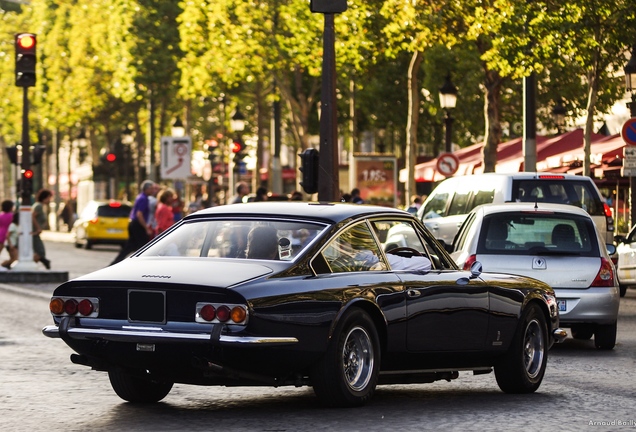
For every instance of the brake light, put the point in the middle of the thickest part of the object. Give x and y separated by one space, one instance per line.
605 275
114 204
74 306
551 177
470 261
607 210
221 313
94 220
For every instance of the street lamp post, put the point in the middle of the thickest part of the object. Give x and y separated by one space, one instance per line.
630 86
448 100
178 130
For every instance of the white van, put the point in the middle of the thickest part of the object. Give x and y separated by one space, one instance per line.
449 203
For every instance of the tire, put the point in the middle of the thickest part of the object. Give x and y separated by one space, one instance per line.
582 332
605 336
347 374
137 389
88 245
521 370
623 289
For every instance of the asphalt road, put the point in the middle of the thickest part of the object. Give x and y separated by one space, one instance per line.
41 390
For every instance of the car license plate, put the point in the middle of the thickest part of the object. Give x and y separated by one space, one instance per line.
114 231
147 306
562 305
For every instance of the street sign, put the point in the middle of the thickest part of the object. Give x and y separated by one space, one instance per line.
628 132
176 157
447 164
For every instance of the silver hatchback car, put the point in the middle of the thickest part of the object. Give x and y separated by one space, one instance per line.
554 243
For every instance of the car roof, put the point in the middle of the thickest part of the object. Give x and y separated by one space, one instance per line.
487 209
526 175
326 211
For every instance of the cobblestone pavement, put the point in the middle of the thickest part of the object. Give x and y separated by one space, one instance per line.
41 390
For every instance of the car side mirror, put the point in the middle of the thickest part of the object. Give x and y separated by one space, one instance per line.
475 269
611 249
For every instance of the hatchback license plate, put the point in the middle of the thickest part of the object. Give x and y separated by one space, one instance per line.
562 305
114 231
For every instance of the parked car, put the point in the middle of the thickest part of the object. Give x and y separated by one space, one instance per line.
557 244
448 204
102 222
296 293
626 262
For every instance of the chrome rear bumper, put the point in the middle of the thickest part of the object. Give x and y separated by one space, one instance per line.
559 335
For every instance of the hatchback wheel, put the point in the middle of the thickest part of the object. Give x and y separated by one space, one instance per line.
605 336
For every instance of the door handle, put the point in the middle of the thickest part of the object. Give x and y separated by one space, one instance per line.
413 293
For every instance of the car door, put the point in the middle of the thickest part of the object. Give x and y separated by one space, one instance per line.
627 258
446 310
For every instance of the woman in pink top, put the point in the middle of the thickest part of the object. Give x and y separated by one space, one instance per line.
6 216
163 214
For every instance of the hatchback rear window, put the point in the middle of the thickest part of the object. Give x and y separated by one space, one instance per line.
534 233
113 211
581 194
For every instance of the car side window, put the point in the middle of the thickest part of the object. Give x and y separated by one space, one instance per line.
462 234
354 249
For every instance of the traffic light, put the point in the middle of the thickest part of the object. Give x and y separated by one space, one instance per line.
238 148
25 59
309 168
37 151
12 152
110 157
27 181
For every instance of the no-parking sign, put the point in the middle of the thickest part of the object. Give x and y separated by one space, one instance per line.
628 132
447 164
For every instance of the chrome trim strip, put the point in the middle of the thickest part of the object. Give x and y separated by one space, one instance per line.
52 331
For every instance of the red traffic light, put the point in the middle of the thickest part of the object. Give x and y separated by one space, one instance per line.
27 174
236 146
25 41
111 157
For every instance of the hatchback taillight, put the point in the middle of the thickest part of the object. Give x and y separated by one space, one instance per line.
605 275
470 261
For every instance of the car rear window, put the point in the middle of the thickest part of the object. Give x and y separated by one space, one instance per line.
581 194
536 233
113 211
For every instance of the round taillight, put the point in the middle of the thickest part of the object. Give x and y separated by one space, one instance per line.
208 312
238 314
56 306
85 307
70 306
223 313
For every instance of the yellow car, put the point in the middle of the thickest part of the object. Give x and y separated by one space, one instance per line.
102 222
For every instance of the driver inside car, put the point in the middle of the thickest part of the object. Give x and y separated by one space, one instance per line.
365 250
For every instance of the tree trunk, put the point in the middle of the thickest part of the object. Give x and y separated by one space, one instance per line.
493 124
411 124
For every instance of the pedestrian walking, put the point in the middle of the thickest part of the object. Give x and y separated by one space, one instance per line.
261 194
242 189
164 215
416 203
39 216
139 232
12 241
6 216
355 196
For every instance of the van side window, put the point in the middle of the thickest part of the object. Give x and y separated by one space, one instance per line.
436 206
459 205
483 197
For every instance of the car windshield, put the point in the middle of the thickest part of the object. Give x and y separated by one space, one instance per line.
533 233
237 238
